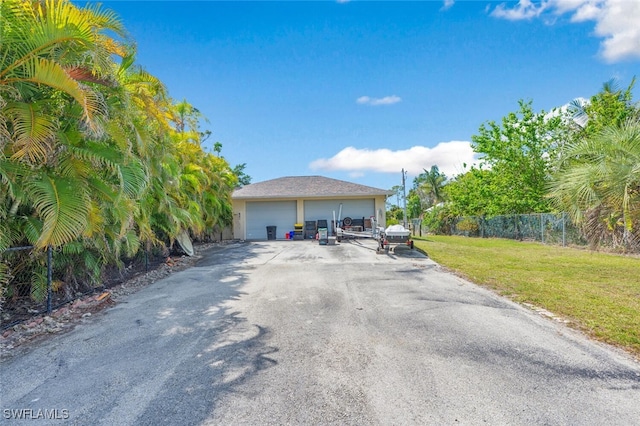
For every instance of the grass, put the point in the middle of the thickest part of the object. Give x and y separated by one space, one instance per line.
598 293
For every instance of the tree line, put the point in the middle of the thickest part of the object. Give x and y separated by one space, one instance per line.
583 160
96 159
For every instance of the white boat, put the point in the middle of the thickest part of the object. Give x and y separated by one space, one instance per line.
397 232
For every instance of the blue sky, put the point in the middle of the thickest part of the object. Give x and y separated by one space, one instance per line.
360 90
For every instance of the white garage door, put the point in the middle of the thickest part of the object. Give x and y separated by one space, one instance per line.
323 209
260 214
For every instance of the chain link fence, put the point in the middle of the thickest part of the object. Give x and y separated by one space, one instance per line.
548 228
33 281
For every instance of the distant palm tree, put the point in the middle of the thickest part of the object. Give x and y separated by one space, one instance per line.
217 148
429 185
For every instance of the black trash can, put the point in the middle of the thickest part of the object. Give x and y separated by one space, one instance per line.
271 232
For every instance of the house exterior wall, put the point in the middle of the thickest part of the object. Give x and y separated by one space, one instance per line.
240 211
239 219
381 210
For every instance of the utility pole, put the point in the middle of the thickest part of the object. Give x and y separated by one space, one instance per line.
404 197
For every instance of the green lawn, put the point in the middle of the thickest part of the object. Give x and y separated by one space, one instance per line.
599 293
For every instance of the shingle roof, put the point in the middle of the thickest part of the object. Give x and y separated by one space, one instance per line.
306 187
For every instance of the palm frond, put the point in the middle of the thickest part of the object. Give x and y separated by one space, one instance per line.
33 131
50 73
39 284
99 155
134 178
32 229
577 111
63 206
74 247
131 243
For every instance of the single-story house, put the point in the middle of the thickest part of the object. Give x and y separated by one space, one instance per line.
286 201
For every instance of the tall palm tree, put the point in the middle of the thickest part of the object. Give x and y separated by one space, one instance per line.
434 184
429 185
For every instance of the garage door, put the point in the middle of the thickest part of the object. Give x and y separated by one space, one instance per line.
260 214
323 209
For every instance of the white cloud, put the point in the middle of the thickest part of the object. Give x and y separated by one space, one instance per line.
619 23
616 21
448 156
585 12
524 9
448 4
387 100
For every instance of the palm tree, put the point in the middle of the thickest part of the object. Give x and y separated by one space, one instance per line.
54 55
94 156
56 45
429 186
610 107
599 183
56 165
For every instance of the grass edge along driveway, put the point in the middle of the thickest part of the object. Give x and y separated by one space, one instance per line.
597 293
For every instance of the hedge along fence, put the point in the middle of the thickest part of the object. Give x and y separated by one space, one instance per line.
32 281
35 290
548 228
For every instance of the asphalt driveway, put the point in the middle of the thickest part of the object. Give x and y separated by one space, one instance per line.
290 332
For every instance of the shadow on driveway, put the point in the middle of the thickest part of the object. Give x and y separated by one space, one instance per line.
163 355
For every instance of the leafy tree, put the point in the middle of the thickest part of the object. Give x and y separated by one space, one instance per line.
394 215
475 193
241 176
515 154
439 219
611 106
414 205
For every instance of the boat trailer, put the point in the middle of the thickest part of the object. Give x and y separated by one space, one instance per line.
387 239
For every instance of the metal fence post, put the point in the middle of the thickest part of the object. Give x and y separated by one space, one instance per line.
542 227
49 276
